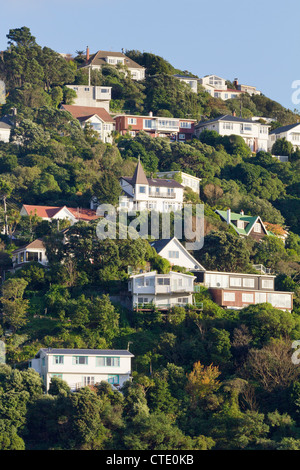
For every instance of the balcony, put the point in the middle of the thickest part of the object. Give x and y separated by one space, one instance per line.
164 195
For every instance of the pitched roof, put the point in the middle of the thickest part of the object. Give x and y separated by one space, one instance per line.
159 245
6 123
226 117
99 59
139 176
85 112
246 218
37 244
281 129
49 212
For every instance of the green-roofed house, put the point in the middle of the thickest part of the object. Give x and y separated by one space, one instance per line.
245 225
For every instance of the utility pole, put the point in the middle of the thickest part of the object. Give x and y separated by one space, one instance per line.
5 215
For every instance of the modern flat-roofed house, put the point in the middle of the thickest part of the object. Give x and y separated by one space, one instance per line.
255 134
98 118
142 193
291 133
175 129
190 81
52 213
83 367
102 58
238 290
162 291
172 250
34 251
189 181
92 96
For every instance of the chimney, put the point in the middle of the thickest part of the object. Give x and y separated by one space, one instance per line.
236 82
151 114
228 215
242 212
87 53
234 113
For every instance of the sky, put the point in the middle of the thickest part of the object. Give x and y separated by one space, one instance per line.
255 41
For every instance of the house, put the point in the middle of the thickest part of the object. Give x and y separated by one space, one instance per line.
162 291
66 213
102 58
172 250
174 129
188 181
250 89
83 367
255 134
190 81
92 96
34 251
238 290
98 118
6 126
142 193
245 225
217 87
291 133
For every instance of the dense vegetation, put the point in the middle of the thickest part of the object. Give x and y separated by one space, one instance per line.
210 379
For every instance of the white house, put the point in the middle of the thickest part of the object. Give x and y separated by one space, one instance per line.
142 193
92 96
255 134
101 58
290 133
34 251
98 118
161 290
6 126
176 254
190 81
59 213
82 367
188 181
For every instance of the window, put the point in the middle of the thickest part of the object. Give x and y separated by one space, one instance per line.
257 228
163 281
113 379
143 300
240 224
183 300
267 284
148 124
228 125
142 189
103 361
182 136
86 89
173 254
247 297
80 360
186 125
32 256
131 120
229 297
235 281
248 282
87 380
295 136
57 375
58 359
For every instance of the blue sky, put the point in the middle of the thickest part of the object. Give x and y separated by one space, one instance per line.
256 41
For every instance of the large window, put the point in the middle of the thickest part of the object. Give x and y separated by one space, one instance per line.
248 282
235 282
186 125
247 297
58 359
229 297
87 380
104 361
267 284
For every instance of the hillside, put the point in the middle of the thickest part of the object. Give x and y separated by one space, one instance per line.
202 379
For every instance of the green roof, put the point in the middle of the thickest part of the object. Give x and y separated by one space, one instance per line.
246 218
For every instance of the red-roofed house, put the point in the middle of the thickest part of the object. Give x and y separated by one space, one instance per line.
98 118
52 212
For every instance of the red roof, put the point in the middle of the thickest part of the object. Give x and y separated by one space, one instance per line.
85 112
50 211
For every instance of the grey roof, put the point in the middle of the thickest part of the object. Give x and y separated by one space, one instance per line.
156 182
5 123
225 117
278 130
96 352
160 244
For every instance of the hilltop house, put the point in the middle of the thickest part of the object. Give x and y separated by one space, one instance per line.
188 181
34 251
290 133
254 133
190 81
142 193
92 96
176 129
52 213
217 87
98 118
172 250
83 367
244 225
162 291
238 290
101 58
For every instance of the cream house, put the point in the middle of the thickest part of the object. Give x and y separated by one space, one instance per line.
161 290
92 96
83 367
290 133
142 193
34 251
177 255
255 134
